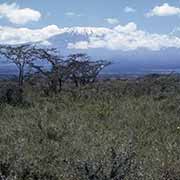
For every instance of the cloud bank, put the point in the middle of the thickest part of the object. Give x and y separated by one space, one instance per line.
9 35
18 16
125 38
164 10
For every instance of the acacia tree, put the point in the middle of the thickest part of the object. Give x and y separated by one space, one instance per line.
77 67
55 73
82 70
20 55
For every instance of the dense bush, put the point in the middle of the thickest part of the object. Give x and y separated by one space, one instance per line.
119 166
11 94
65 135
170 172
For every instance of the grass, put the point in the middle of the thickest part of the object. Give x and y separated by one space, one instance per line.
84 124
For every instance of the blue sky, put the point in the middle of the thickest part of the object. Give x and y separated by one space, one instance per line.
123 24
93 13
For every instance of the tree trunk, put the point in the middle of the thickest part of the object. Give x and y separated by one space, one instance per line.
75 81
54 86
21 76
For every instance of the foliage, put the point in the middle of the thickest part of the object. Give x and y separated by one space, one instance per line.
82 70
11 94
55 73
77 67
119 167
56 134
20 55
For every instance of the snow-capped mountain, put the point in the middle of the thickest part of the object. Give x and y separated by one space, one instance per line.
139 60
69 36
136 61
131 50
86 31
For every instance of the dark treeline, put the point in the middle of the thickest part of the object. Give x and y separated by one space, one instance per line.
32 60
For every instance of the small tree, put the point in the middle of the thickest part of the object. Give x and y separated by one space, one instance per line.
20 55
82 70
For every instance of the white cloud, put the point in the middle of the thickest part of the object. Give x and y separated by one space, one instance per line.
112 20
164 10
130 27
129 9
79 45
128 38
45 43
18 16
10 35
122 37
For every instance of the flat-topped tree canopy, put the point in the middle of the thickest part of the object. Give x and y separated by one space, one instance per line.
83 69
55 74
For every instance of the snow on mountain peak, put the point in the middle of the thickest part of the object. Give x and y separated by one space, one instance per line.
96 31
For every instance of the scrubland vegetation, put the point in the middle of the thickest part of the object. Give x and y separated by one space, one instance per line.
108 130
89 129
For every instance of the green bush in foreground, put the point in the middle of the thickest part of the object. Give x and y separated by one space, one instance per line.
63 136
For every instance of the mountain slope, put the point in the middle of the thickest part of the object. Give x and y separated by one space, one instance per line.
137 60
